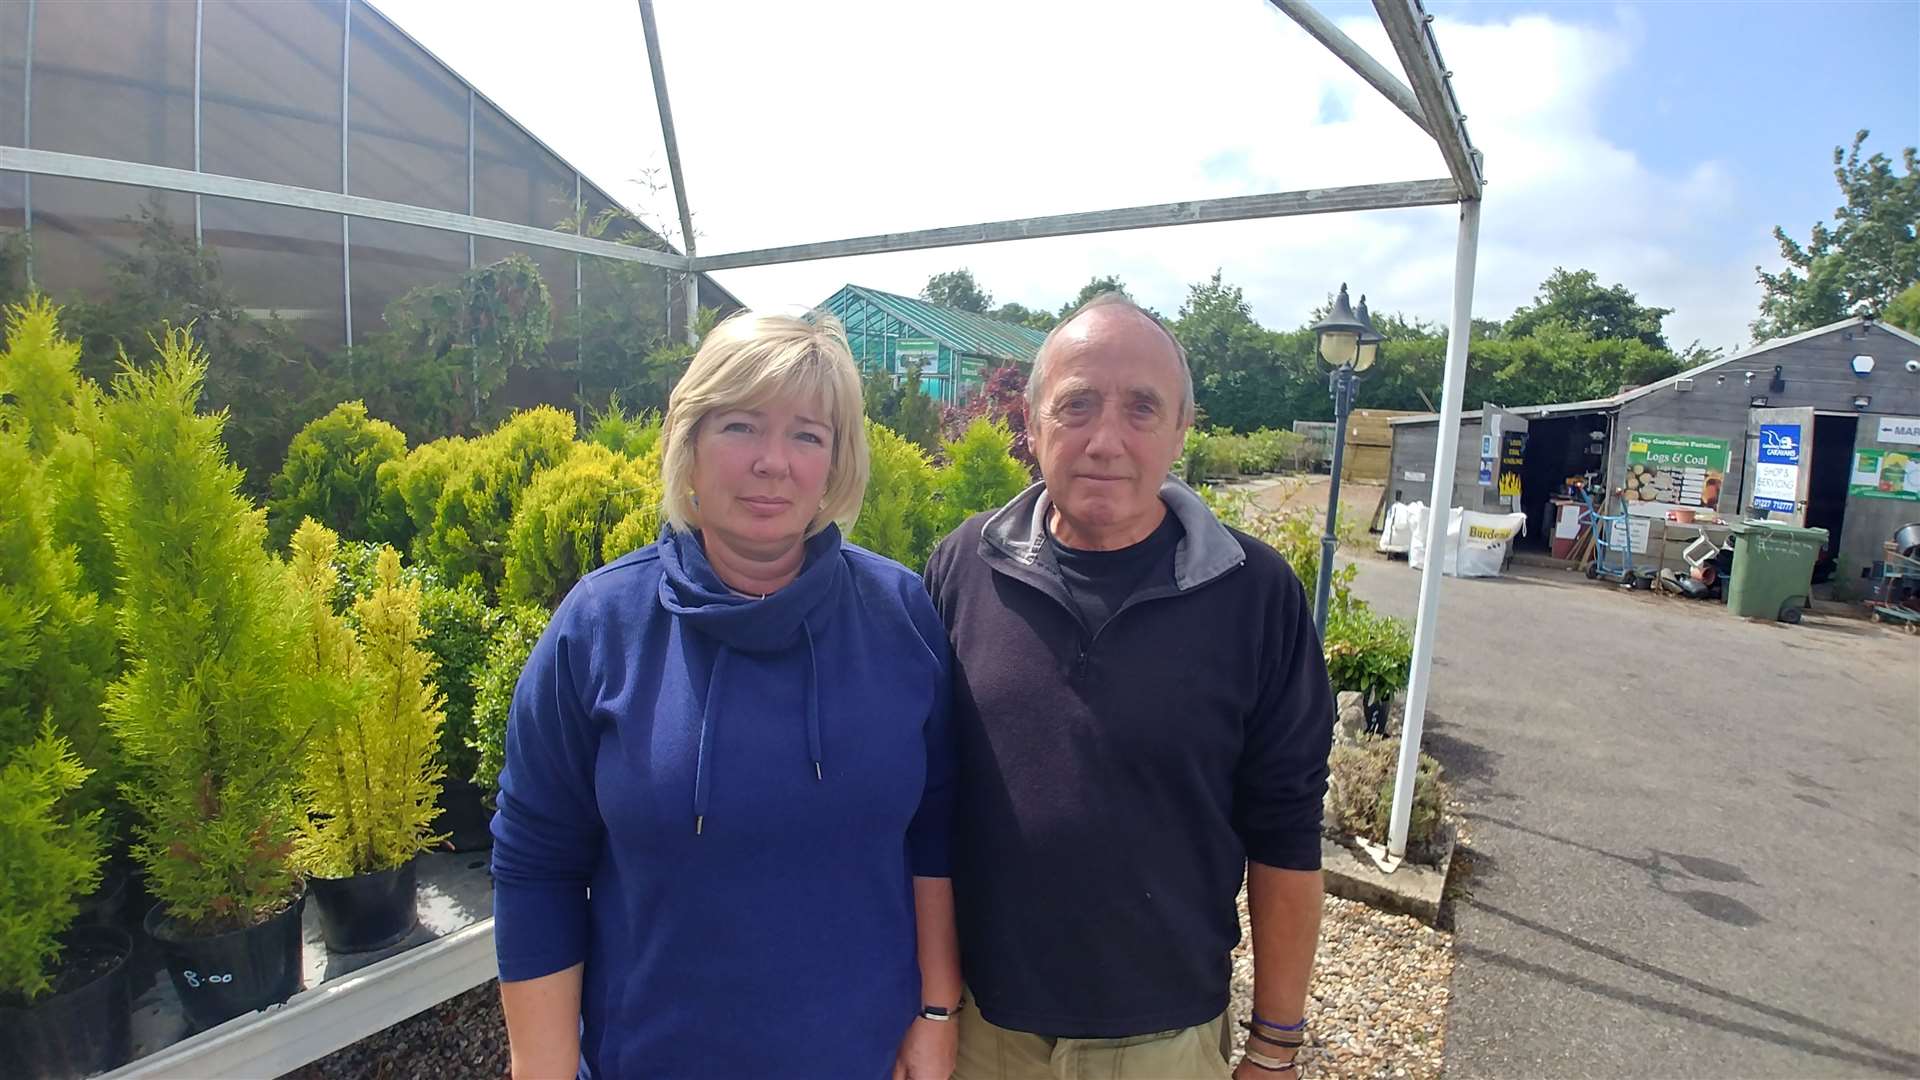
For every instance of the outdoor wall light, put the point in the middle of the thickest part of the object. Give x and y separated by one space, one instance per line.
1758 401
1861 401
1749 379
1863 366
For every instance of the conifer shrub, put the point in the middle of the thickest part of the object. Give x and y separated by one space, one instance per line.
518 631
897 516
370 778
981 474
204 712
332 473
50 856
564 518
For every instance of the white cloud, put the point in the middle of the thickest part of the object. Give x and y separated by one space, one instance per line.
803 122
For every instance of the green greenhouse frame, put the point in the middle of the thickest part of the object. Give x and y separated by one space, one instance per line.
956 349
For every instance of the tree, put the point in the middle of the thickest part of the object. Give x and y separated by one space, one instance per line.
1858 265
1904 311
1002 400
1032 318
957 289
918 418
1217 328
1576 298
1093 288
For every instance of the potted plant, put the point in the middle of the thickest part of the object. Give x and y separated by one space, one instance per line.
204 711
369 775
65 1002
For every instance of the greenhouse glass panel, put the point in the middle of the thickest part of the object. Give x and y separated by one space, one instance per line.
115 79
270 92
83 229
406 123
13 72
281 261
389 259
515 178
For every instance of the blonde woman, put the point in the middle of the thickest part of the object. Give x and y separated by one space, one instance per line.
721 848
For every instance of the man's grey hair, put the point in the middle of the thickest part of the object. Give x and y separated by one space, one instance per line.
1118 299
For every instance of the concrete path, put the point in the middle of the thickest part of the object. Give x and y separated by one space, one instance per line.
1695 840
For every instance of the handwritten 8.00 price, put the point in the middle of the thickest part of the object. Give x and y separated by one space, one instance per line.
194 978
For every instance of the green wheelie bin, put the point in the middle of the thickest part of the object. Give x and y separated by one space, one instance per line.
1773 569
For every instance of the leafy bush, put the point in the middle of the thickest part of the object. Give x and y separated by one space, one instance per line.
1002 399
459 625
1209 456
461 494
1366 651
50 856
371 777
565 517
1295 534
621 433
55 410
642 524
980 474
514 637
57 648
332 473
204 712
896 520
1360 781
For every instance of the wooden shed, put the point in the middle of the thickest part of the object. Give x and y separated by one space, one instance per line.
1369 451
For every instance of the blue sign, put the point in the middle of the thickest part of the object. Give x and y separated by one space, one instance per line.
1776 475
1780 444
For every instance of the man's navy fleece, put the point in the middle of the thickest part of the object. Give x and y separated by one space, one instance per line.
747 787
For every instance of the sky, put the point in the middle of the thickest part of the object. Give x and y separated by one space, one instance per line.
1655 143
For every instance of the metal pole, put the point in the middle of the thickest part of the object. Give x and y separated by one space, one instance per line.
199 33
1440 501
26 137
1342 383
652 33
346 229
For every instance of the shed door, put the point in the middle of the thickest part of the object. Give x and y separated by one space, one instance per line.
1779 464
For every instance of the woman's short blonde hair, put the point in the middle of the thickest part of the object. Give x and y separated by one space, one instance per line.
749 360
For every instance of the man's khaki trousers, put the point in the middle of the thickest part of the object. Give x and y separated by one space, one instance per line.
990 1052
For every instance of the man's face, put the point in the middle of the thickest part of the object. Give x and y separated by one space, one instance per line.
1110 425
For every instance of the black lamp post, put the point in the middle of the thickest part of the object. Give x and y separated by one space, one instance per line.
1348 342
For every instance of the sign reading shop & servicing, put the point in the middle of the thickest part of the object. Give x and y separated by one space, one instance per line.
1776 472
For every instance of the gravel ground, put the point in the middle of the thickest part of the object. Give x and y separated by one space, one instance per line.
459 1038
1379 1010
1379 998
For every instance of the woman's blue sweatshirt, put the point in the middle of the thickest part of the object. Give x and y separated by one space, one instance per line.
718 805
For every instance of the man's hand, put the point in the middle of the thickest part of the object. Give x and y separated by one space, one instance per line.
928 1051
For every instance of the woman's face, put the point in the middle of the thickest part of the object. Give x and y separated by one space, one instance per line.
760 475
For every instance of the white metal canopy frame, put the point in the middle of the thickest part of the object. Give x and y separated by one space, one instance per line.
324 1018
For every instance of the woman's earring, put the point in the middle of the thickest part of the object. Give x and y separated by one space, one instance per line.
694 498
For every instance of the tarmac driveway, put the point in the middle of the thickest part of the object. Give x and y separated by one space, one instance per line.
1695 840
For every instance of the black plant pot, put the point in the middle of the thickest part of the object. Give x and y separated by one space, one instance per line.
366 912
464 816
82 1029
226 975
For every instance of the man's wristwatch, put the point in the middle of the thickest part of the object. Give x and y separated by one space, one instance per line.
940 1012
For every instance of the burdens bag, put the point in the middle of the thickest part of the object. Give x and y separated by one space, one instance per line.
1483 540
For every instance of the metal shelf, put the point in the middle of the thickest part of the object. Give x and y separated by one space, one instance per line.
347 998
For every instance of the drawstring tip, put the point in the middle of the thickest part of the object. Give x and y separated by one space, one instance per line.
816 771
698 821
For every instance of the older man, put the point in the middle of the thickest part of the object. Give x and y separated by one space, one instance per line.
1144 717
